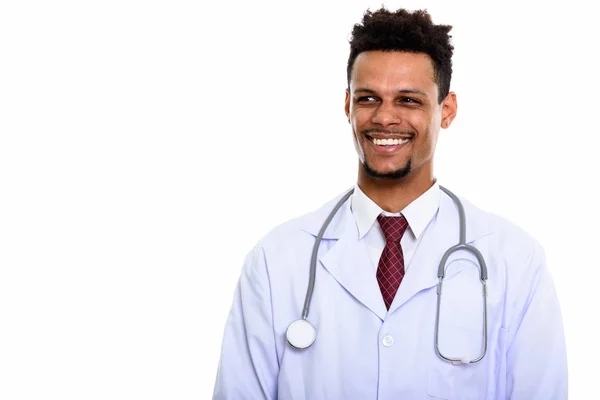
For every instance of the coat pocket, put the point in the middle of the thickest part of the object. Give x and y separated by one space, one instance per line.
459 381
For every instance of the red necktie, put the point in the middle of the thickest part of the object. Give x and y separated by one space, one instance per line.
391 264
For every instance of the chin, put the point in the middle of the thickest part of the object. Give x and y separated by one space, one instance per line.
398 172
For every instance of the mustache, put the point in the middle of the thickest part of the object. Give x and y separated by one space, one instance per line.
387 131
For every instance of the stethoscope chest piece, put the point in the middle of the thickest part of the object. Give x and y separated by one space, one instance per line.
301 334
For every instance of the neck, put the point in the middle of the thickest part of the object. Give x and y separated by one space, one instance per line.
393 195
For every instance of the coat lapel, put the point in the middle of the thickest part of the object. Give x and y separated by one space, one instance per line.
422 273
348 261
441 234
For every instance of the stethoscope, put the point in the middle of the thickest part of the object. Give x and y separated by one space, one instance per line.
301 334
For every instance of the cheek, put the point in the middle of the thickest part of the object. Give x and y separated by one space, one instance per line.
357 127
426 134
357 138
360 119
416 121
428 142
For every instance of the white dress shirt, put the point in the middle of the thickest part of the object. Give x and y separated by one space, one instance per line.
418 214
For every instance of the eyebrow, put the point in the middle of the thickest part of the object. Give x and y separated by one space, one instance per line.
409 91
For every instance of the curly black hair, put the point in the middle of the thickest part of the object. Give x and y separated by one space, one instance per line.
403 30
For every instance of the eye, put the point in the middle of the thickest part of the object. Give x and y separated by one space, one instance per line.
366 99
409 100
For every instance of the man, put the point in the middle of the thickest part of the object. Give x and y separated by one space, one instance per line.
375 300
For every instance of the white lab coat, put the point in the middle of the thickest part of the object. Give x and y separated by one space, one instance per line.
363 351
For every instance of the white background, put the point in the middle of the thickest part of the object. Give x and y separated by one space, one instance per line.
146 146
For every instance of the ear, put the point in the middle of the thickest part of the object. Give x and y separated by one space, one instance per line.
449 109
347 105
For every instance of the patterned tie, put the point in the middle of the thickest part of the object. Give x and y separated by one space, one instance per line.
391 264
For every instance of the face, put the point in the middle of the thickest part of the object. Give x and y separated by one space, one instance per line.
395 115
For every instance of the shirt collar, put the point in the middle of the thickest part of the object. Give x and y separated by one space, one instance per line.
417 214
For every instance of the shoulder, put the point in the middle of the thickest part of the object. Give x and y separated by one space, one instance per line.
505 237
302 230
494 223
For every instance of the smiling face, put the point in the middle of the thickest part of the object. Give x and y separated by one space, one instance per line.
395 115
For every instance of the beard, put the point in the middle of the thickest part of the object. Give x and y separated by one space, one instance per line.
396 175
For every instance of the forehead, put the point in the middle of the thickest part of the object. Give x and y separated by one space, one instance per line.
379 70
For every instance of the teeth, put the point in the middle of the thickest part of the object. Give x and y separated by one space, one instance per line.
389 142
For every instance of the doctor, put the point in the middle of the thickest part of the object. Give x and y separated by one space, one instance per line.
374 307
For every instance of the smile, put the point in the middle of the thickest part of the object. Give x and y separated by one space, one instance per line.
388 142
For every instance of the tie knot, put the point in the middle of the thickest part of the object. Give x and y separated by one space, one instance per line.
393 227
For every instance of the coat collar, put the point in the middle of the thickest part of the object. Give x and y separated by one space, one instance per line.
476 221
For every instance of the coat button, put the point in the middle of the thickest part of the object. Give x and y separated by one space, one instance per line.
387 340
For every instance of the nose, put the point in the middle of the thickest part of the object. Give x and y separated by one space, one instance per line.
385 115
